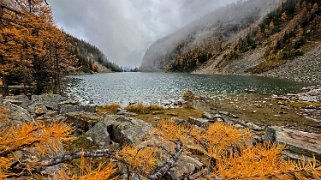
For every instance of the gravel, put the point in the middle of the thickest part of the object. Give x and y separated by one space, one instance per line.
306 68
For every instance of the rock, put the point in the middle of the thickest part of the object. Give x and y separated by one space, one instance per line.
81 120
309 98
199 122
123 112
207 115
67 108
51 101
178 121
249 90
40 109
184 166
188 94
253 126
240 123
99 135
125 130
224 113
68 101
50 114
17 113
157 112
19 100
297 142
238 126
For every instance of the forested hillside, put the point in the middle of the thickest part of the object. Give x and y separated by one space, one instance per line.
35 54
248 37
90 58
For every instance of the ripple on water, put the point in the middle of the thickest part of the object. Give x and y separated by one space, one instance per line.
122 88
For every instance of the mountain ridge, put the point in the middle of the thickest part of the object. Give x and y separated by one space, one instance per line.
256 41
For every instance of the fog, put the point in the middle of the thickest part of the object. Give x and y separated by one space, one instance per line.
124 29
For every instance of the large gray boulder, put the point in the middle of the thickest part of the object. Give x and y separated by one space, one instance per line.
19 100
123 130
297 143
51 101
68 108
100 135
83 121
200 122
185 165
18 114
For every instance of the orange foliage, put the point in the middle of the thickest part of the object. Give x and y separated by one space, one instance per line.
42 138
231 156
142 160
29 41
112 108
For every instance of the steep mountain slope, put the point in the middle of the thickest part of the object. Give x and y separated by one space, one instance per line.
205 37
90 58
252 36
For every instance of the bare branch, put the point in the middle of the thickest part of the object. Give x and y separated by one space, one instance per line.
168 165
76 155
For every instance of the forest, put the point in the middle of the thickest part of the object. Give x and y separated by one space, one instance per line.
35 55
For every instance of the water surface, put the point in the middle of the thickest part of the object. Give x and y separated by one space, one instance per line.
123 88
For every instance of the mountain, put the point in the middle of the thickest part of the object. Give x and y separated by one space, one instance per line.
254 36
89 58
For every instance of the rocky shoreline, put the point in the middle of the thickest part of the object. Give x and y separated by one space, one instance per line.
123 127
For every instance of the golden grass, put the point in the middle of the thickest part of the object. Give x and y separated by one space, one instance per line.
108 109
143 109
300 104
166 114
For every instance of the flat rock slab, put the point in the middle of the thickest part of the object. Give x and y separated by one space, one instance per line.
200 122
297 142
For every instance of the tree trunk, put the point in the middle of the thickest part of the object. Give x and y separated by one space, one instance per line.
5 87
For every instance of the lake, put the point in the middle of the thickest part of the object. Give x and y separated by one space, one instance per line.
122 88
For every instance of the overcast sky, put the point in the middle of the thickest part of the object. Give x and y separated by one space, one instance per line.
124 29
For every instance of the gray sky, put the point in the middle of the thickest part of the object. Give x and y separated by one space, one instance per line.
124 29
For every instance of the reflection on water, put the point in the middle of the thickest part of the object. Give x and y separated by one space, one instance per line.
123 88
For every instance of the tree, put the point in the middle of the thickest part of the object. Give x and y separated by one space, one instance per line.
32 48
284 17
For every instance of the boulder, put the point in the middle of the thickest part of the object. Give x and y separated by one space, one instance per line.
19 100
40 109
199 121
177 120
296 142
68 108
17 113
81 120
100 135
51 101
123 112
124 130
184 166
243 124
207 115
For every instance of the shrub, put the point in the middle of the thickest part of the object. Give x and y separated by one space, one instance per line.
143 109
112 108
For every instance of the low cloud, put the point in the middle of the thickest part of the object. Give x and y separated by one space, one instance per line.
124 29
